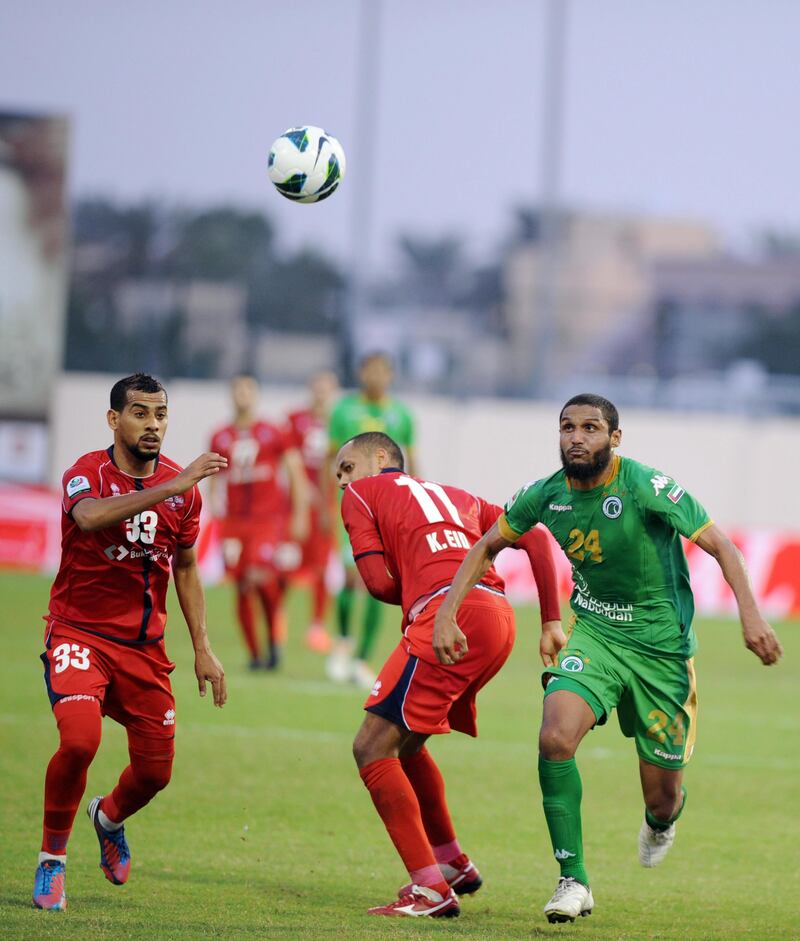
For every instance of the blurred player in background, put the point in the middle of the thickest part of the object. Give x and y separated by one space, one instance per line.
128 512
309 427
409 537
369 409
261 526
631 646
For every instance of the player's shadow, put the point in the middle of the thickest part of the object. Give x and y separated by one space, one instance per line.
14 901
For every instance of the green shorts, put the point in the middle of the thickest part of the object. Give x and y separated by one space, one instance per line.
655 698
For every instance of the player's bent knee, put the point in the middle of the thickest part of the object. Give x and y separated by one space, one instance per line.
377 738
79 752
664 806
152 774
362 749
555 744
80 729
151 761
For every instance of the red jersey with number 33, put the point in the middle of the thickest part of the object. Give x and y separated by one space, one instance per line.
423 530
113 582
254 454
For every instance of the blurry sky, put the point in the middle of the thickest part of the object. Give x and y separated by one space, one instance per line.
687 107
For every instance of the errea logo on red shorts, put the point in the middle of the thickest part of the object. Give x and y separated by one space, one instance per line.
376 689
169 717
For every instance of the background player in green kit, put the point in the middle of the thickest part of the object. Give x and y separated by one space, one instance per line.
631 642
369 409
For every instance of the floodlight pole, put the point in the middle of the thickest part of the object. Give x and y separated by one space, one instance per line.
545 332
362 195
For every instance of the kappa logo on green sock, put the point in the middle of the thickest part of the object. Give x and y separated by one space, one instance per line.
563 854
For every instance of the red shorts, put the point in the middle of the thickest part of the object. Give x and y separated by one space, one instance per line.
130 682
248 545
418 693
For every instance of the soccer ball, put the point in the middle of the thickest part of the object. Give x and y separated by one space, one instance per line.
306 164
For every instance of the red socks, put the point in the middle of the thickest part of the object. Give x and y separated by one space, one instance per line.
399 809
428 783
79 726
320 598
271 594
147 774
247 620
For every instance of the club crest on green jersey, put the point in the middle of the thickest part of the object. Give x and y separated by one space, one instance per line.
572 664
612 507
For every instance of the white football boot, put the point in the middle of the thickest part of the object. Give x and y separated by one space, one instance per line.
339 663
362 674
570 899
654 844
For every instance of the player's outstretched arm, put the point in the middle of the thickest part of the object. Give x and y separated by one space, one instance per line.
758 635
449 642
536 545
92 514
193 604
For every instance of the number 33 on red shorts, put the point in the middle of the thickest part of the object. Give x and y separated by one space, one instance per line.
131 682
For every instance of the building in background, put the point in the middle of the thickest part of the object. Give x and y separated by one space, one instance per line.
602 278
33 279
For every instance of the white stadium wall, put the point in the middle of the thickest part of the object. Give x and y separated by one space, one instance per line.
493 446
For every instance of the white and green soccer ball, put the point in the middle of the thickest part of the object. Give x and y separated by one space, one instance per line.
306 164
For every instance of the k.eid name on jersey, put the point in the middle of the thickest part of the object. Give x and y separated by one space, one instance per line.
454 539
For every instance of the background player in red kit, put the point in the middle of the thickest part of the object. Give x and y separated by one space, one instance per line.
309 427
409 537
261 526
128 512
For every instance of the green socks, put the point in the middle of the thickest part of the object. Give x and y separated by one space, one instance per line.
561 797
656 824
344 610
345 602
372 621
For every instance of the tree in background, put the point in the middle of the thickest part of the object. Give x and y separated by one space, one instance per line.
168 248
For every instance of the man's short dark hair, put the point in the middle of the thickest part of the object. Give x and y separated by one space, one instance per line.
138 382
370 441
375 354
607 409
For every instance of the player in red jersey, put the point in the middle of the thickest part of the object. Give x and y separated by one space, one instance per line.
261 526
309 427
409 537
129 514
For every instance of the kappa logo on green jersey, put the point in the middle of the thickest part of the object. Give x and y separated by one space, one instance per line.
659 482
612 507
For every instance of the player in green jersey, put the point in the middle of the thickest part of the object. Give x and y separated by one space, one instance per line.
369 409
631 642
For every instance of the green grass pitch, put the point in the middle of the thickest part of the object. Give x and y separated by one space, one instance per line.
267 832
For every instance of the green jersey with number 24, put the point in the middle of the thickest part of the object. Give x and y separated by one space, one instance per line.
622 538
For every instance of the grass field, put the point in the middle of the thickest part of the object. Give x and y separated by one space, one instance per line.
267 832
